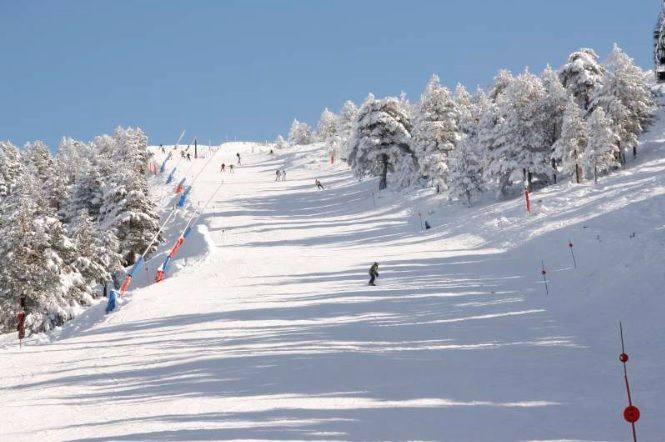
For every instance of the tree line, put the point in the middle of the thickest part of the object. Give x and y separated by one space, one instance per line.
579 122
70 222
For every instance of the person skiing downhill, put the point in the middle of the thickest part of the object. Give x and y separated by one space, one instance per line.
318 184
238 155
278 175
223 167
373 273
230 168
283 175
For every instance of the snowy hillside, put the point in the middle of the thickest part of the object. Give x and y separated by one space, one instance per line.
267 330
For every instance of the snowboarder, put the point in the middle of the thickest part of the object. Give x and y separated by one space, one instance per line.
373 273
239 162
318 184
279 175
223 167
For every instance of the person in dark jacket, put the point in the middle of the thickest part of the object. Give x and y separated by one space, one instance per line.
373 273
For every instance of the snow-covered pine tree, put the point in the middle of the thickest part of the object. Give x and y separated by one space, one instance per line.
582 75
602 149
381 142
522 130
327 127
129 211
10 167
569 149
626 98
98 256
435 133
37 155
553 107
281 143
33 240
346 122
501 82
300 133
465 172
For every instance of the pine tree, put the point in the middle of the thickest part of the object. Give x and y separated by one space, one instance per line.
522 132
381 142
466 181
570 147
98 257
281 143
435 133
626 98
10 167
346 122
602 149
582 75
327 127
300 133
129 211
32 240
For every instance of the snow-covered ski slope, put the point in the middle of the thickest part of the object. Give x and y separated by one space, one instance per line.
268 330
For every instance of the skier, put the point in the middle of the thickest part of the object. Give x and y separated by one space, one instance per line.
279 175
427 226
283 175
230 168
238 155
223 167
373 273
318 184
189 157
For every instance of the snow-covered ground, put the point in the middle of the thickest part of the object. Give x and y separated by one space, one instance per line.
267 329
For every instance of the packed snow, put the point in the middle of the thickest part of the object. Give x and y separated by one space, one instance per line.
265 328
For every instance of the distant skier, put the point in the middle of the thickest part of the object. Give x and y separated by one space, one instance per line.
223 169
189 157
373 273
427 226
230 168
318 184
283 175
278 176
239 162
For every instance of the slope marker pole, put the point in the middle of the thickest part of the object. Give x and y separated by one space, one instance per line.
572 253
544 273
631 413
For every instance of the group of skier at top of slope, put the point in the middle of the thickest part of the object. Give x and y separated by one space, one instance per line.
231 167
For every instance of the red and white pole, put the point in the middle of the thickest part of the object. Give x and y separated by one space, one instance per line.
631 413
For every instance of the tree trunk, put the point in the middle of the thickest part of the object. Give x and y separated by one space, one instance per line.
383 183
578 177
635 151
595 173
554 167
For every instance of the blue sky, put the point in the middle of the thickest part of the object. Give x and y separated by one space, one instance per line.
244 69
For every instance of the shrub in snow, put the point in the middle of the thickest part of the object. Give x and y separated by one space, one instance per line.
381 142
435 133
300 133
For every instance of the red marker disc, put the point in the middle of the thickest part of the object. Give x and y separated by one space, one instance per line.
623 358
631 414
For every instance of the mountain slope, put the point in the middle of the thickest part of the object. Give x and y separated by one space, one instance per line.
270 330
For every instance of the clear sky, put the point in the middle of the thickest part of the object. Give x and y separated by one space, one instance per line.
245 68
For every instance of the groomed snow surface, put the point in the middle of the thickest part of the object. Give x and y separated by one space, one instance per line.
266 329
